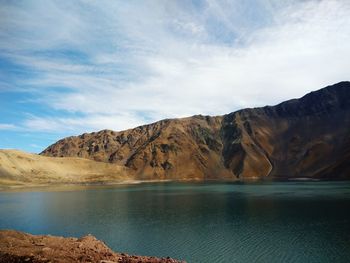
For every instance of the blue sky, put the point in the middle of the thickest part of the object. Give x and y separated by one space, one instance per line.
68 67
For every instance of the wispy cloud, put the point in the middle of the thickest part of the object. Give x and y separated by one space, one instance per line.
118 64
86 123
6 126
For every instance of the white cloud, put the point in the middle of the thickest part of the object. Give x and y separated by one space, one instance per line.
164 60
7 126
83 124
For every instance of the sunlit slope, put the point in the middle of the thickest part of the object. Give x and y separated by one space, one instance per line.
18 167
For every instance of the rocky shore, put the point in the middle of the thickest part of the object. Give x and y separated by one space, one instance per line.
18 247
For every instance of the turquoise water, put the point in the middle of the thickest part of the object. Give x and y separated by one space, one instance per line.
211 222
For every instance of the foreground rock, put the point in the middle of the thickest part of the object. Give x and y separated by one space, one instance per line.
21 247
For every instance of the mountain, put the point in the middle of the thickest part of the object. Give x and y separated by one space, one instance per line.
188 148
305 137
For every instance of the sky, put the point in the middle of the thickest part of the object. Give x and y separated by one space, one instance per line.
69 67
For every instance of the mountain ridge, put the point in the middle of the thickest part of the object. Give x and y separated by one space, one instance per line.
302 137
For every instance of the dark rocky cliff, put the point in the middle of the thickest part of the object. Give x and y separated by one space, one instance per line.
306 137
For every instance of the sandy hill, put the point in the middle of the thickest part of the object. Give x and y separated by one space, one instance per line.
19 168
306 137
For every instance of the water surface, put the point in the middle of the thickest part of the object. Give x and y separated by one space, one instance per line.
203 222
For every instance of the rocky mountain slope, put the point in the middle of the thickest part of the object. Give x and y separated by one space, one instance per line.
306 137
18 247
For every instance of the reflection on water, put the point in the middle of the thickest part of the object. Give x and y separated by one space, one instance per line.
204 222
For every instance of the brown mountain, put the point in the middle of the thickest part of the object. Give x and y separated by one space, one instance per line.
306 137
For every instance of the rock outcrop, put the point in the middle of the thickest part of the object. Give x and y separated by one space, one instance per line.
188 148
16 247
306 137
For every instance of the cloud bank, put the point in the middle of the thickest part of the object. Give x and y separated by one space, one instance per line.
95 65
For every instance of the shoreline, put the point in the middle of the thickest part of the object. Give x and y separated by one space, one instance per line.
17 246
57 187
74 186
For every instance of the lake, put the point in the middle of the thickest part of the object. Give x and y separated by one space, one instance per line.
197 222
